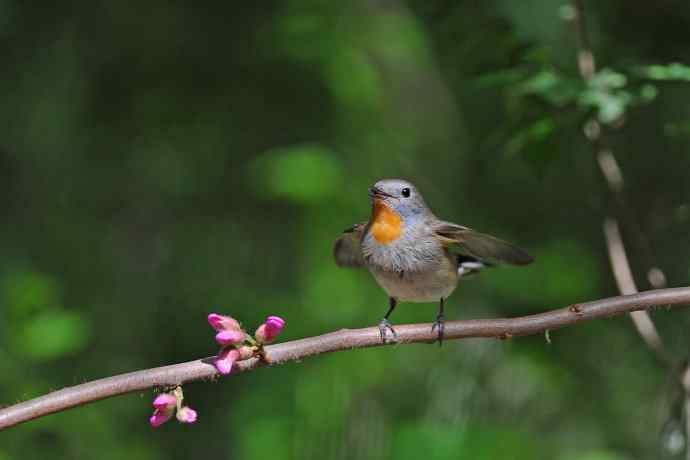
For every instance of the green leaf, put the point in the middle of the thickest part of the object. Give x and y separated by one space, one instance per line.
552 87
541 82
609 106
535 143
503 77
537 132
604 93
648 93
612 106
670 72
607 79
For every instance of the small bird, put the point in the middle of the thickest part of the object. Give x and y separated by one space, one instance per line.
413 255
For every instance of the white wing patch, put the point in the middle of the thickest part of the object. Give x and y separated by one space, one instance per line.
469 268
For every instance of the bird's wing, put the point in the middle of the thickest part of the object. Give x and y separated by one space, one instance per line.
347 249
479 245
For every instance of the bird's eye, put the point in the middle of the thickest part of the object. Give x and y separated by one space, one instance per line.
405 192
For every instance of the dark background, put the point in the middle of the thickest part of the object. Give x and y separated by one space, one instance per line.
162 160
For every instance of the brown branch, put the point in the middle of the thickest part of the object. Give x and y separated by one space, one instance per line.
342 340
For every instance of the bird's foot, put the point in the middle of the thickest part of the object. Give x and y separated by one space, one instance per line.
440 325
386 325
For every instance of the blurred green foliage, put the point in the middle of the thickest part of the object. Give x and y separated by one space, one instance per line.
163 161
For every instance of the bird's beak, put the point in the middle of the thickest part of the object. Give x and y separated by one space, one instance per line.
376 192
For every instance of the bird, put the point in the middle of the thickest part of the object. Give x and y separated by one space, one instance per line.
415 256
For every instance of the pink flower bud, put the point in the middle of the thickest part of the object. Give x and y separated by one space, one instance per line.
164 404
222 322
229 337
159 417
186 415
267 332
275 325
225 360
164 401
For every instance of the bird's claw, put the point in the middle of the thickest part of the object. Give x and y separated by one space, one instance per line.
383 325
440 325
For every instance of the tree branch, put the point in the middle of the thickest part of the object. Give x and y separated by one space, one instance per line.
342 340
613 176
626 285
608 164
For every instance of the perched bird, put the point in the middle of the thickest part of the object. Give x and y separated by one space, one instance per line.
413 255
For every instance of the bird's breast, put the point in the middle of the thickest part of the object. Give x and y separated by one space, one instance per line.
386 224
434 280
414 250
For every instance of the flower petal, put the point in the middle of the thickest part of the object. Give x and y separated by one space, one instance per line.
229 337
164 401
275 325
260 334
225 360
186 415
159 417
222 322
267 332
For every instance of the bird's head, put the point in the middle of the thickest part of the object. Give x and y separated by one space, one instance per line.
399 196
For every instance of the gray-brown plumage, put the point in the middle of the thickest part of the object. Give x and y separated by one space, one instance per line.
413 255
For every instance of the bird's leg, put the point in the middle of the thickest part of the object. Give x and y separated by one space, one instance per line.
439 323
385 324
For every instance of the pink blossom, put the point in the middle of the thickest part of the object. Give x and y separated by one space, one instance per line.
186 415
225 360
229 337
159 417
274 325
267 332
164 404
164 401
223 323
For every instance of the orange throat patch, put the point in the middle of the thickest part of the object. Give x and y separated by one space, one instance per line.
386 224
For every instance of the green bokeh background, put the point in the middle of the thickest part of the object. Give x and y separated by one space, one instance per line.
163 160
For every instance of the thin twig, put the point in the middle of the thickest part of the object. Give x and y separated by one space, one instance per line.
613 175
585 57
342 340
608 164
626 285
